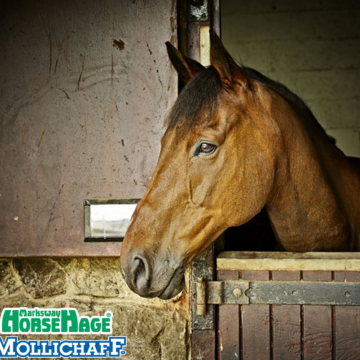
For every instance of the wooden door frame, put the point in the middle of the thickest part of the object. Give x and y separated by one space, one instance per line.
193 26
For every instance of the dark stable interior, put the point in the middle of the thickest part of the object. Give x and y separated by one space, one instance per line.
255 235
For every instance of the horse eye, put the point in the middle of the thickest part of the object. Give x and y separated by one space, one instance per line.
206 148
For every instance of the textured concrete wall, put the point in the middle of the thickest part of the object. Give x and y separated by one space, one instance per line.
155 329
312 46
79 117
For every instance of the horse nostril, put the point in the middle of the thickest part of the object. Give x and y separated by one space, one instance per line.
140 273
139 268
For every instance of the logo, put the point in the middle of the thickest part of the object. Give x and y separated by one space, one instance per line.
53 321
113 347
57 321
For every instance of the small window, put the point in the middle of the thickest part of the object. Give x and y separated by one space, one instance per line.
107 220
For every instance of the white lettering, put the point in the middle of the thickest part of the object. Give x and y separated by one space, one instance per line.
9 343
116 346
33 349
102 348
78 348
56 345
92 349
43 344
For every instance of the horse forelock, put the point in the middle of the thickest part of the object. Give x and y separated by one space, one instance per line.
197 101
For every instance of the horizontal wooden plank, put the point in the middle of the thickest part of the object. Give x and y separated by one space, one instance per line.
273 261
285 275
255 275
317 275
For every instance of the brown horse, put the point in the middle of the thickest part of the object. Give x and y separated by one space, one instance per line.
236 142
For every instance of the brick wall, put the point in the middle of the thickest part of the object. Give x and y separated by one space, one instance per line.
312 46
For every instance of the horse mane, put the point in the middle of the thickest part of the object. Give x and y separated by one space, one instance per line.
295 101
201 96
279 88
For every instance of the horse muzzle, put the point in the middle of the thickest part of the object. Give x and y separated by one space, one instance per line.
163 279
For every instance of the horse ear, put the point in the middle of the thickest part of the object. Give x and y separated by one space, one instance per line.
224 64
186 67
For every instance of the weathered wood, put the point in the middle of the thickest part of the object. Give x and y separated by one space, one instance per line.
311 261
202 267
193 45
347 276
317 276
229 324
203 342
285 275
317 324
203 345
347 324
286 324
300 331
254 275
255 320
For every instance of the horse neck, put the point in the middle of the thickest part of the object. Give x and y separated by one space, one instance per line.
304 207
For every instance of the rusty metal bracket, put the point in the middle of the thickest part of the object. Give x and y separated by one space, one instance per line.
304 293
220 292
275 292
198 10
202 268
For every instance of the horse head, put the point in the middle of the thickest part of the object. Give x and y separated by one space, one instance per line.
215 170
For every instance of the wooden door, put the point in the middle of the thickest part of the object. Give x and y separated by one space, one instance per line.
296 331
84 86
